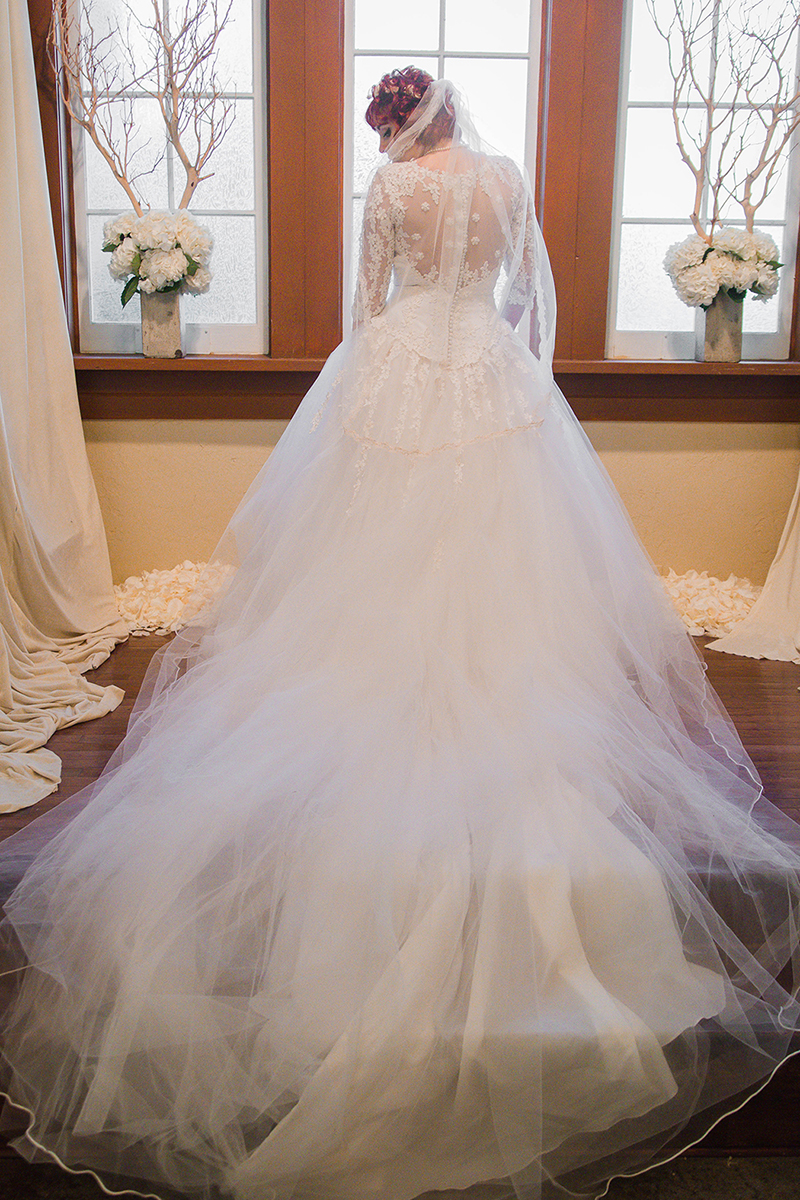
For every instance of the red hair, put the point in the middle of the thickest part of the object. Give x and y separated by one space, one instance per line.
396 96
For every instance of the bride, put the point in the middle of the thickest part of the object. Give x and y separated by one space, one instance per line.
430 857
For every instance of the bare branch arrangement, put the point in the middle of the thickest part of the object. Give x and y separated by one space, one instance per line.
736 98
167 53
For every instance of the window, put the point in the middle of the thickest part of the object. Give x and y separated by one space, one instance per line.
313 108
654 194
232 315
489 51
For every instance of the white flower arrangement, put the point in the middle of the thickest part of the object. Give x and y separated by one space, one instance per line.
734 261
158 252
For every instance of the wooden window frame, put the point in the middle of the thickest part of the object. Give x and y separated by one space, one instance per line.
578 137
578 114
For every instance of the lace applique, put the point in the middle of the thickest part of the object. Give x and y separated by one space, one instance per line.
527 280
377 253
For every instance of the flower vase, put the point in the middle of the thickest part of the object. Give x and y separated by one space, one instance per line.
161 324
721 339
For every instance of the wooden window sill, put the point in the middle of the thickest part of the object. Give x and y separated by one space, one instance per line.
688 367
195 362
242 387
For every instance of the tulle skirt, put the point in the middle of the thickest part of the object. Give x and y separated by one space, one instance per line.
430 858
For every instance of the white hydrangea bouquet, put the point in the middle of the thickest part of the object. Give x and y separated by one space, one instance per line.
158 252
734 261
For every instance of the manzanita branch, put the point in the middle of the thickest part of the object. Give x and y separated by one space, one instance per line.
734 64
102 71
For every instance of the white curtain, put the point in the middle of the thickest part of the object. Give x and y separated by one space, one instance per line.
772 627
57 611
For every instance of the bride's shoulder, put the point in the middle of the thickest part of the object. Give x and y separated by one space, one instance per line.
501 164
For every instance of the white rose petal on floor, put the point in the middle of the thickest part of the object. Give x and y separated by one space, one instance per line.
159 601
706 604
165 601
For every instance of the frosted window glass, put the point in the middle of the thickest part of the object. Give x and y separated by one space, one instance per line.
231 299
502 25
102 189
367 70
118 23
118 18
774 207
496 91
235 48
650 78
412 26
646 299
649 72
106 306
232 184
657 181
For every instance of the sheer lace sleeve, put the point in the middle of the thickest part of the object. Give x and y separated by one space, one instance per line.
377 253
523 289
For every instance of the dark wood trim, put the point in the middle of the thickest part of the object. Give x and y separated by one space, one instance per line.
209 389
794 340
306 104
604 26
57 154
687 368
559 209
580 135
191 363
611 390
206 395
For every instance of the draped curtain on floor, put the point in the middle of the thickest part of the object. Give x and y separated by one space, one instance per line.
57 611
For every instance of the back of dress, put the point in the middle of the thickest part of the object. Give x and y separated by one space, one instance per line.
450 257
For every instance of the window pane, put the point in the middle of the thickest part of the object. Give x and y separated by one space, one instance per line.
367 70
226 201
235 48
106 306
503 25
119 24
232 184
414 26
646 297
657 182
102 189
231 299
650 78
774 207
497 94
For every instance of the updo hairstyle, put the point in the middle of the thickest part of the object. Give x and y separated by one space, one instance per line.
398 94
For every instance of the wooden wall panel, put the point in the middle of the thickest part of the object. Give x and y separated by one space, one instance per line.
57 152
585 40
306 73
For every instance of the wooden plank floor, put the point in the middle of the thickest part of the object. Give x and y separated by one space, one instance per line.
764 702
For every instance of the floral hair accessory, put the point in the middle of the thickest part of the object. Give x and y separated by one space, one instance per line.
396 95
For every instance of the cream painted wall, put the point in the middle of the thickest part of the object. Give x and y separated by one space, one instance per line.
704 496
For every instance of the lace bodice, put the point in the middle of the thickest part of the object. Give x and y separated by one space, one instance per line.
452 232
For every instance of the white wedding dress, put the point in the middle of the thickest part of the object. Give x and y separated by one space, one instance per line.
431 857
